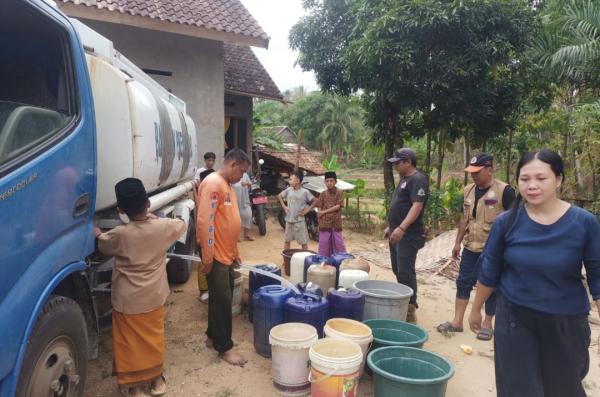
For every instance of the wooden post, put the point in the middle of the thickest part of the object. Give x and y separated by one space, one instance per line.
297 167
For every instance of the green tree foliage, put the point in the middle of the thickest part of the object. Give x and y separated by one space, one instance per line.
331 123
569 47
447 66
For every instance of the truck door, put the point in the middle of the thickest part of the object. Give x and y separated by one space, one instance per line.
47 172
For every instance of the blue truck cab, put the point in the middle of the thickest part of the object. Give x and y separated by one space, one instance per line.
51 279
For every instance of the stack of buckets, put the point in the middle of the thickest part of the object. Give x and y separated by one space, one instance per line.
391 348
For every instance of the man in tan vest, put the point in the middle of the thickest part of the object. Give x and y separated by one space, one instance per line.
484 199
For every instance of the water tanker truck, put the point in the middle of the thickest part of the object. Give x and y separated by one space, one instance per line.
76 116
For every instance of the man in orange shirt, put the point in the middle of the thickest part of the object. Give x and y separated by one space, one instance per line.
218 230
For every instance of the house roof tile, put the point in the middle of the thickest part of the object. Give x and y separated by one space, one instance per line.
244 74
218 15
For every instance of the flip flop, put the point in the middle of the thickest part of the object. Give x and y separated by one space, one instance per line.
448 327
485 333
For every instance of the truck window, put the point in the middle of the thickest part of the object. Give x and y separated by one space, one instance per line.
35 92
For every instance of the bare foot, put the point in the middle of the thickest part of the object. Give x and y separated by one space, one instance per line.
136 392
233 358
159 386
249 238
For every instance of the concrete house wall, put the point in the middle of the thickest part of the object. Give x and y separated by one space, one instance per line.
197 78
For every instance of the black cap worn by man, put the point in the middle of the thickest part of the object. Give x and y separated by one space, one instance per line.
131 195
479 162
404 154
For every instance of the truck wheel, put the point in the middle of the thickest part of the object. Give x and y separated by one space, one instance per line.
261 220
179 270
55 362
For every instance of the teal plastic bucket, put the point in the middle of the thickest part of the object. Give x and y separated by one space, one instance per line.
409 372
396 333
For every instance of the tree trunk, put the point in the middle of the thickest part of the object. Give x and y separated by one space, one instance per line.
388 172
428 155
509 155
593 168
440 158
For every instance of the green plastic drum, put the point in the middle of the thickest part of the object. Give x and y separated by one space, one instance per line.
409 372
396 333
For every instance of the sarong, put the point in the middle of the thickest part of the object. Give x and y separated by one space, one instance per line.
331 242
138 346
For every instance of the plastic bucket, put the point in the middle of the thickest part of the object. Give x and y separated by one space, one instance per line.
396 333
408 371
290 343
236 299
355 331
334 367
287 257
384 299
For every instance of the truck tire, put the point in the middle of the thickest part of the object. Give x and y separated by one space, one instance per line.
55 362
261 220
179 270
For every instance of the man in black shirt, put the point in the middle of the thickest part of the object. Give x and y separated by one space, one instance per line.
405 229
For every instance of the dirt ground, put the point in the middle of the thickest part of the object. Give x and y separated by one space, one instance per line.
194 370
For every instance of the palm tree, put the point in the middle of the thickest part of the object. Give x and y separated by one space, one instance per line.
569 47
343 125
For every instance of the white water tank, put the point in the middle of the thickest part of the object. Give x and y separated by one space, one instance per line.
142 130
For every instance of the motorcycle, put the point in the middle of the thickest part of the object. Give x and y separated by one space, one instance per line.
258 201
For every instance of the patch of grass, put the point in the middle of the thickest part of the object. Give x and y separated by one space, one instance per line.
227 392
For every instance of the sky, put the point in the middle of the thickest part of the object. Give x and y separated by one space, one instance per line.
277 17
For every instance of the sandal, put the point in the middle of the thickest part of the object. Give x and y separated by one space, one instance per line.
448 327
485 333
160 391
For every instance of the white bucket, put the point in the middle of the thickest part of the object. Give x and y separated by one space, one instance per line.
334 367
355 331
290 343
297 267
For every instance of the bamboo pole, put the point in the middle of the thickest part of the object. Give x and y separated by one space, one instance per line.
297 167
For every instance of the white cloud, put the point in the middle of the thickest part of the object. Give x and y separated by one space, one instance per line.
277 17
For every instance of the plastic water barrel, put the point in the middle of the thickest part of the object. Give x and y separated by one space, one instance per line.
323 276
336 260
258 280
313 260
297 266
349 276
346 303
310 288
268 304
308 309
356 264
